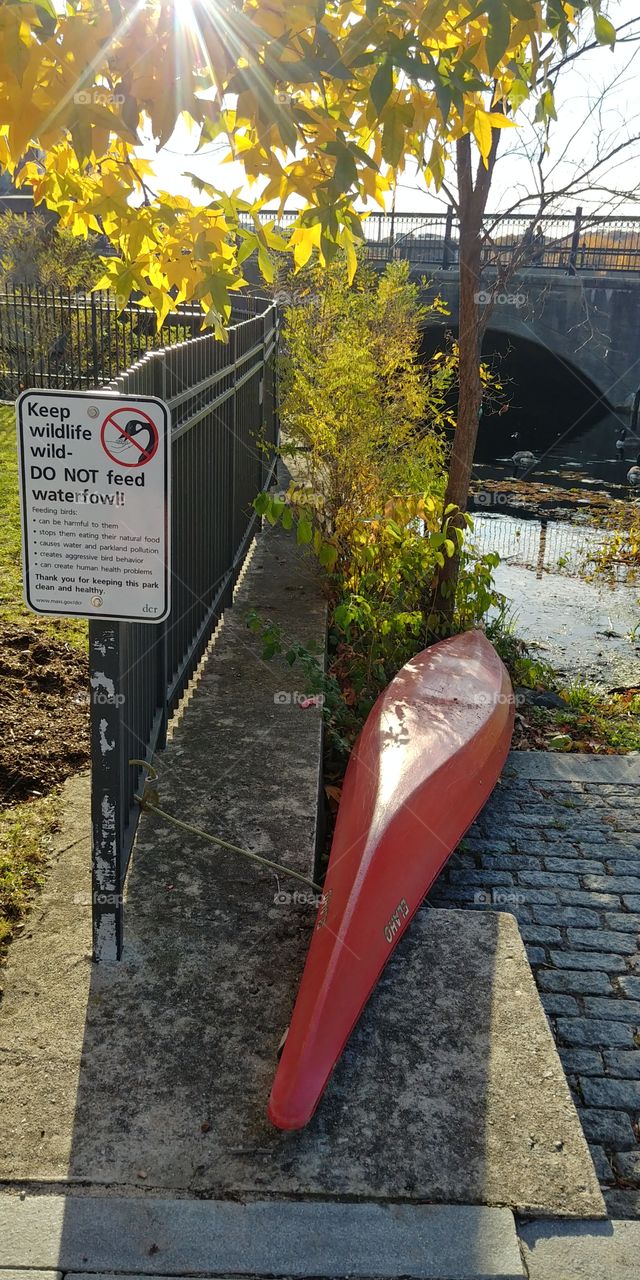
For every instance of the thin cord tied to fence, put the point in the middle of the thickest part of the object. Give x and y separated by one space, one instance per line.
149 801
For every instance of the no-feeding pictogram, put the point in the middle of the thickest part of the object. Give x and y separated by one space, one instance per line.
129 437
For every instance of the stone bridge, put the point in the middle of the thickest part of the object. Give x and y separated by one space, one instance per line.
590 322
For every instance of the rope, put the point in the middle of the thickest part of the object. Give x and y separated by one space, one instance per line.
147 801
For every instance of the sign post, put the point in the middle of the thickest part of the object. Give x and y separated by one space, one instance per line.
94 472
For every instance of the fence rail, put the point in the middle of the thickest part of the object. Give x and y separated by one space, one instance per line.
71 340
222 399
582 242
546 546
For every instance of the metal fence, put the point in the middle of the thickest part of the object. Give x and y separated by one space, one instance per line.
70 340
222 399
546 546
578 242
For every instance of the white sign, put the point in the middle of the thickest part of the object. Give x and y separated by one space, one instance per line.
94 490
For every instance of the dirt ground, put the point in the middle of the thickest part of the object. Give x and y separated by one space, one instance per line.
44 710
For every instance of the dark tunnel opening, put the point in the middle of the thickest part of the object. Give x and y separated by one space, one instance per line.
552 410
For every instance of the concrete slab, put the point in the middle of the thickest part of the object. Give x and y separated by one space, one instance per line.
29 1275
549 765
581 1251
435 1098
154 1074
146 1236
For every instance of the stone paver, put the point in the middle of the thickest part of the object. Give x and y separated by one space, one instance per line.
584 1251
568 827
6 1274
153 1237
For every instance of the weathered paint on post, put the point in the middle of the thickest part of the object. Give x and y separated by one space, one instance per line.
106 797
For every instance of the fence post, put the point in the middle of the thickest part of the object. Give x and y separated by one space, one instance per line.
575 241
162 648
94 341
447 237
231 460
107 817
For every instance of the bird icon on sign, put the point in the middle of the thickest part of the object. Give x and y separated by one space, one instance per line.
129 437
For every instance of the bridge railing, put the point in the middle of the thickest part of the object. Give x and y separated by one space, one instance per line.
578 242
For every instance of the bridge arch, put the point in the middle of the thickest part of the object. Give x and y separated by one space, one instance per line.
589 323
548 397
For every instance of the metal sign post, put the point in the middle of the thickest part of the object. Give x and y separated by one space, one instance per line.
94 474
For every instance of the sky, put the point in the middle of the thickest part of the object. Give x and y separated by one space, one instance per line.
598 107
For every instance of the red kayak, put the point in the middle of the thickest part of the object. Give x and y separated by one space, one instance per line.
426 761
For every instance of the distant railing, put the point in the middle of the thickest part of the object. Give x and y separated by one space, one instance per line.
582 242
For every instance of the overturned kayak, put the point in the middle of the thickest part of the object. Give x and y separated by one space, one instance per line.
426 761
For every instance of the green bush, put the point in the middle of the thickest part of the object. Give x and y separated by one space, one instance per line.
364 432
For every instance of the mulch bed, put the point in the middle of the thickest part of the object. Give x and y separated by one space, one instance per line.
44 709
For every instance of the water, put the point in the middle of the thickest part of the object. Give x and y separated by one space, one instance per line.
551 546
551 410
581 456
584 630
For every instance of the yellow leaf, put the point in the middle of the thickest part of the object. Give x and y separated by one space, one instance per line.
482 132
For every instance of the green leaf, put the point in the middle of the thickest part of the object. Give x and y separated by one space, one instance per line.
265 262
393 135
287 518
342 616
328 556
381 86
604 30
261 503
499 31
345 173
304 532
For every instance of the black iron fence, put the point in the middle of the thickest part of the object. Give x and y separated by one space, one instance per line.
578 242
70 340
546 546
222 399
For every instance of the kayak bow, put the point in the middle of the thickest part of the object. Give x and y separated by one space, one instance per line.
426 761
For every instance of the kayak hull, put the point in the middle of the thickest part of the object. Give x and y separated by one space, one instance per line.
424 765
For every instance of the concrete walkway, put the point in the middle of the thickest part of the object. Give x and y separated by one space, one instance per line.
133 1134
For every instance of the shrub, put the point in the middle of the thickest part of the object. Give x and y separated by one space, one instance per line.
364 432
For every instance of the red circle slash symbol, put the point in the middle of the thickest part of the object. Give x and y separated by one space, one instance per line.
129 437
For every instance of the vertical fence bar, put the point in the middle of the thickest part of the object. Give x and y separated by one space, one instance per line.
232 440
447 237
162 648
107 816
94 342
575 241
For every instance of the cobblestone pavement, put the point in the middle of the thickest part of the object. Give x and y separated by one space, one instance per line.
558 846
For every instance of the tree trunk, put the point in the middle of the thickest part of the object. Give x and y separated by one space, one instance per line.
472 203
